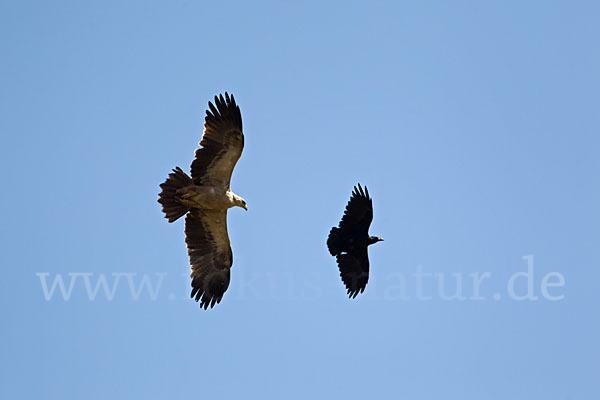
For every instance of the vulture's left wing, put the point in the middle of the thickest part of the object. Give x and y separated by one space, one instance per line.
210 255
222 144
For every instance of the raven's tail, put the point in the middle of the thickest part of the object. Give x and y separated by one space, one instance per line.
171 207
334 242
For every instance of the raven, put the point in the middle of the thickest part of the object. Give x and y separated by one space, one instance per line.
349 242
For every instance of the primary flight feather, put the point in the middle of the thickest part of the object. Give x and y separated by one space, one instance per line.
205 197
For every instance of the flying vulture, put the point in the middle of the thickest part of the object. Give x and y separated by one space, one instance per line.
204 199
349 242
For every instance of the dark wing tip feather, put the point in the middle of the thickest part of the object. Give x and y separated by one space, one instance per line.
360 192
208 289
224 109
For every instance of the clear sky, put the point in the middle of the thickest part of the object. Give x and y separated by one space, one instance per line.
475 126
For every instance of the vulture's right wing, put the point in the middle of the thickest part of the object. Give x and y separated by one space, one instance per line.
210 255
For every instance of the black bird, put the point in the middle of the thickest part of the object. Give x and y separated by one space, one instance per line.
349 242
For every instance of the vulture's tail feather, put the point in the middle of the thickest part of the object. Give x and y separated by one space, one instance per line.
334 242
171 207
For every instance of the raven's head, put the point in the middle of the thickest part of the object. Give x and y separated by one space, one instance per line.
375 239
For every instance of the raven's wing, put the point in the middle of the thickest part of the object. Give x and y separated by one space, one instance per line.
359 212
354 270
222 144
210 255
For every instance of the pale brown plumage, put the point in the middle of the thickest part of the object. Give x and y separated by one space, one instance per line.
205 198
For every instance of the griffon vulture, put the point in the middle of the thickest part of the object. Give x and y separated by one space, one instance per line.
206 197
349 242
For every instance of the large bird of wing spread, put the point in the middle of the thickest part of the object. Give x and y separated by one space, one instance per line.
349 242
210 255
222 144
206 230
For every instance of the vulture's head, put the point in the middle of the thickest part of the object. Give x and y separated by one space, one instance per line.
238 201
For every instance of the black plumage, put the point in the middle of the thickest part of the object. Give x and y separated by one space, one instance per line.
350 240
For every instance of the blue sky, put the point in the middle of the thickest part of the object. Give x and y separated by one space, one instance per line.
474 125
